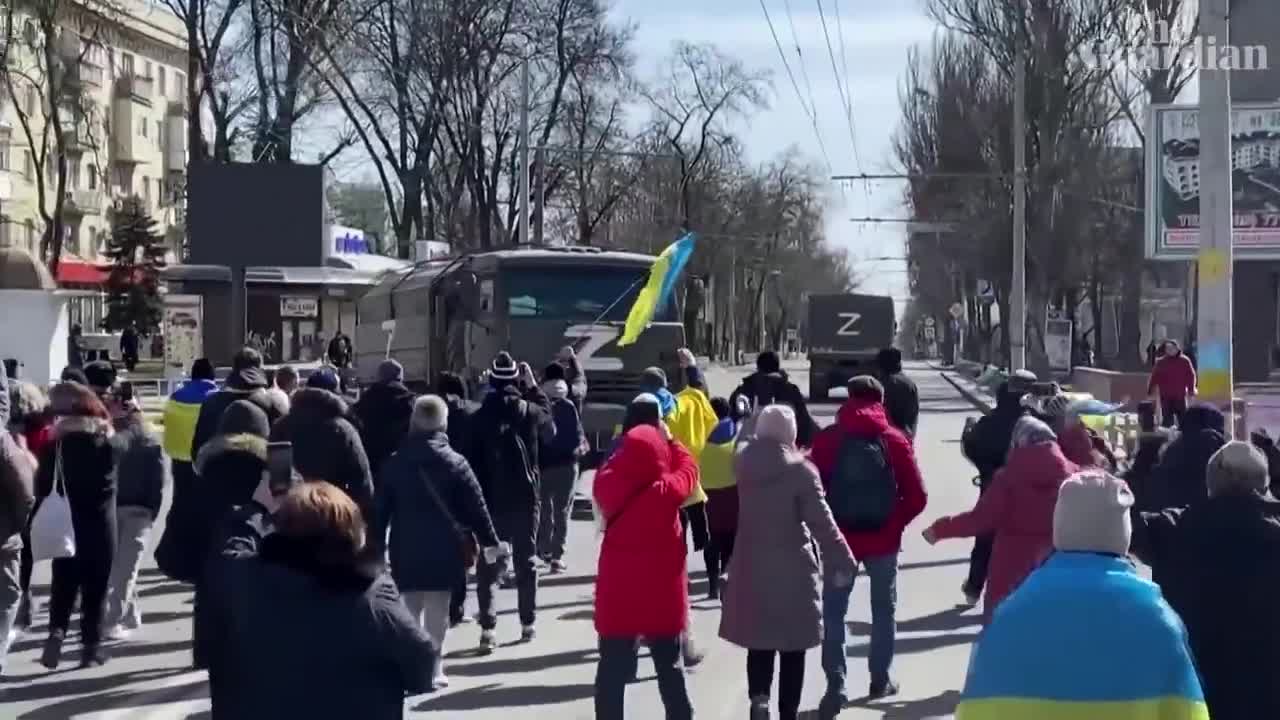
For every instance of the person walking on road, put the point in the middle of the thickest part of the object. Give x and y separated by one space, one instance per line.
770 384
81 463
30 425
383 410
773 604
507 434
142 475
1173 380
901 398
1216 562
1085 636
1017 510
573 375
715 473
129 344
454 391
559 458
247 381
181 413
875 490
986 445
17 498
340 350
283 385
1179 478
642 587
306 628
430 501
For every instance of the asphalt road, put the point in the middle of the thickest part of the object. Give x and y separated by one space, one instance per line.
148 676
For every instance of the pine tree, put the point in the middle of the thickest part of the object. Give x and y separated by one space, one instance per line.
137 257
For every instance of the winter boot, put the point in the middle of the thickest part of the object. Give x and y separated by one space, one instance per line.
52 654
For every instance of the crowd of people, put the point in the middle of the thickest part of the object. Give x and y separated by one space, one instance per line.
386 505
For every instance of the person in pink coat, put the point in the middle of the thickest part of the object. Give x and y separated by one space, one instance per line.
1018 509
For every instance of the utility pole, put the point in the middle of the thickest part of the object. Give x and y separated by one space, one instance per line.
1017 323
733 303
524 151
1214 261
539 196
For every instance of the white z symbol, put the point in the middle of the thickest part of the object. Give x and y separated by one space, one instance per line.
594 337
850 319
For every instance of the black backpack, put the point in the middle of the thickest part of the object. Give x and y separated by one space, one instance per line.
509 462
862 491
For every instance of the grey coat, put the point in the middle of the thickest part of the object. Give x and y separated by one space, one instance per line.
773 600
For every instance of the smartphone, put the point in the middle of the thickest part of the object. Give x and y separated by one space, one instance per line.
280 467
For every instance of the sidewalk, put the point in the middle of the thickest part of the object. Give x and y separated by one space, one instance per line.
980 397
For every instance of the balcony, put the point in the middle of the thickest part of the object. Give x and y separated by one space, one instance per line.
79 138
6 186
135 88
83 202
127 146
175 143
81 76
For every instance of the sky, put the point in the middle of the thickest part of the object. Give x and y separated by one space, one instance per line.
877 39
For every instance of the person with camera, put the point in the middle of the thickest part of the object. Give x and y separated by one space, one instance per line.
291 565
429 500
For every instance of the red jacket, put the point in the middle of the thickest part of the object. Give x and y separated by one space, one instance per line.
1173 376
642 588
860 417
1018 508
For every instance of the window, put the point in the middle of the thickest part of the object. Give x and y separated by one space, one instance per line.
4 155
159 134
5 223
146 192
142 127
91 171
31 100
28 166
179 85
164 91
576 292
126 63
146 68
31 234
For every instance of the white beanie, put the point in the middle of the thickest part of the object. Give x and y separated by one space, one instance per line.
1237 467
777 423
1092 514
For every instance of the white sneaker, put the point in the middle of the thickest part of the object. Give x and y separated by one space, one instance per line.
439 680
117 633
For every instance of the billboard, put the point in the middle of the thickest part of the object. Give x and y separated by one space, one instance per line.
1173 181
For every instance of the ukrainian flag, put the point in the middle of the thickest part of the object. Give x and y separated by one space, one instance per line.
657 291
1083 638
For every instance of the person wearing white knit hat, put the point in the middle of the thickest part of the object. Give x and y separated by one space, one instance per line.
1092 514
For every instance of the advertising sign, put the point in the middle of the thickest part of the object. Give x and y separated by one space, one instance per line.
183 341
1057 344
294 306
1173 181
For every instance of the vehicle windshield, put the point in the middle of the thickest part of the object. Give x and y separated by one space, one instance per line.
581 293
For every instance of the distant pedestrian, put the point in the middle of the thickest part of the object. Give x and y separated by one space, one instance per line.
875 490
901 398
642 587
715 470
559 458
1173 380
283 386
340 350
1085 636
142 475
75 347
247 381
430 502
181 414
383 411
1017 509
1216 564
326 444
305 627
17 498
129 344
81 463
773 604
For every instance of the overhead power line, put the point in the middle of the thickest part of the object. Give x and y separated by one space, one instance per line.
842 87
811 109
782 54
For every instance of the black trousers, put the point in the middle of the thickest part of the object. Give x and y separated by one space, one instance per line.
617 667
717 554
458 602
980 558
790 679
86 575
520 528
694 519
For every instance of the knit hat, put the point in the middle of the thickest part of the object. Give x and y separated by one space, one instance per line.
645 409
554 371
244 417
778 423
503 369
325 379
202 369
390 371
1092 514
1030 431
653 379
866 387
100 374
1237 467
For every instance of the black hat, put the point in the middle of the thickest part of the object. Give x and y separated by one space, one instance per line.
554 371
202 369
768 362
652 379
503 368
100 375
244 418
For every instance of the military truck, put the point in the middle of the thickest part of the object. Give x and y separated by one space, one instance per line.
845 333
454 314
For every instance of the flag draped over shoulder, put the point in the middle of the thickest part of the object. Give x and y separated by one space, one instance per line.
657 291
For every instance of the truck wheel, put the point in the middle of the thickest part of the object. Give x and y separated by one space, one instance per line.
817 387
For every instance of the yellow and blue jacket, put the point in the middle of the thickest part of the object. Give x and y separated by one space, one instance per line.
180 415
715 466
1083 638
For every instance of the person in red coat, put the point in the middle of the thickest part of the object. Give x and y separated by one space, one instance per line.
1174 379
642 588
876 551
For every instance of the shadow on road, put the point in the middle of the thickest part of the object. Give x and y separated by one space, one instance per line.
933 564
948 620
18 689
912 645
197 689
502 667
507 696
164 588
938 706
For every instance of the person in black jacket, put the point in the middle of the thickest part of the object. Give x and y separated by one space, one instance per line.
1179 478
383 411
142 475
986 445
901 398
770 384
326 445
247 381
1215 563
430 501
558 458
81 462
306 626
507 432
454 391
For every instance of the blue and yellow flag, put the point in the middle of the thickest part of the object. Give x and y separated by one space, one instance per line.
657 291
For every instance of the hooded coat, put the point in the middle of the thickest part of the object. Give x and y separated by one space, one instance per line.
776 387
383 411
901 397
144 470
987 443
565 447
868 419
1173 377
88 466
773 600
1018 509
326 446
245 384
1179 478
504 489
642 585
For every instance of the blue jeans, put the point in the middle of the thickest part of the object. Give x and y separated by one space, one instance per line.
883 571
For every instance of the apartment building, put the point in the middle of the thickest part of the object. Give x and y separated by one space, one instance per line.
122 80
